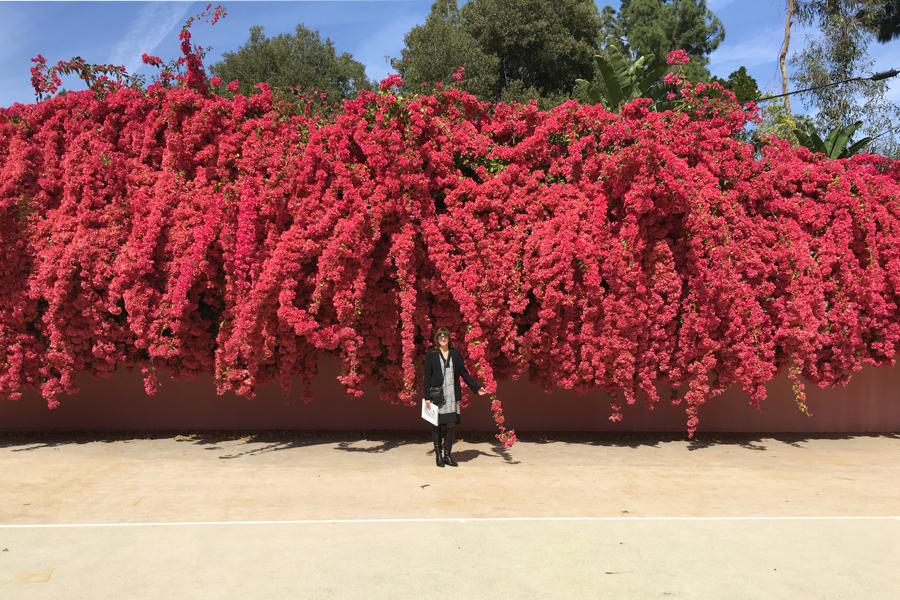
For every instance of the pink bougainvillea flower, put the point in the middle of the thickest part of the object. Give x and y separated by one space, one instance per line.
180 232
391 82
678 57
151 60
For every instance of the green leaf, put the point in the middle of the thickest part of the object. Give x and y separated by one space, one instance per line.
611 81
858 146
649 79
803 138
818 144
836 142
638 65
589 91
839 139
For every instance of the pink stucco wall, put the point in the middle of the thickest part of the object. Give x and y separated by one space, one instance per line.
869 403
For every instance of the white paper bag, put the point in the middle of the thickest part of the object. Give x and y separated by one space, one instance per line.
430 414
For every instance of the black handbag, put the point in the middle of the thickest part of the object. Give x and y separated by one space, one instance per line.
437 393
437 396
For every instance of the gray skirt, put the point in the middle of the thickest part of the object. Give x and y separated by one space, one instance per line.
449 412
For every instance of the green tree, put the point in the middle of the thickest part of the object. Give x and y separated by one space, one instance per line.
659 26
543 44
833 63
435 50
299 60
883 18
742 84
610 35
777 121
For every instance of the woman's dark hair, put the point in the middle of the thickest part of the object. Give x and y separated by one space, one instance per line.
434 339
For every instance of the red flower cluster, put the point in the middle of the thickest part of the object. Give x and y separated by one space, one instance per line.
154 61
46 81
391 84
677 57
180 231
508 438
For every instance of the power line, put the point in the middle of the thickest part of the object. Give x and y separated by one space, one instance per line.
885 132
875 77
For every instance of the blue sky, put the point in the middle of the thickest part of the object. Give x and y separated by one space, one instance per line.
119 32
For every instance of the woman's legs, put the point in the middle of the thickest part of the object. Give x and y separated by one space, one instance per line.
449 437
436 438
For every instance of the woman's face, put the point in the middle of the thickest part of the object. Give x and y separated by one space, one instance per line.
443 341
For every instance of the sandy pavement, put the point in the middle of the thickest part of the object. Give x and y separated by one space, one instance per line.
370 516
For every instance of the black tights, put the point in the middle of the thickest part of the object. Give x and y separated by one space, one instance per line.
446 431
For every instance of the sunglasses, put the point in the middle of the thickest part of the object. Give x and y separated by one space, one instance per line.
443 336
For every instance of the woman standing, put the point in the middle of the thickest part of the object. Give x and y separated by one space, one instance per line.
443 367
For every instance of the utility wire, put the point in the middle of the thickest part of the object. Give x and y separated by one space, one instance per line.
885 132
875 77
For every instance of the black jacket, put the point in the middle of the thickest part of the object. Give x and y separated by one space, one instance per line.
434 374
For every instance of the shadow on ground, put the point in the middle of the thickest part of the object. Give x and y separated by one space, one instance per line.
378 442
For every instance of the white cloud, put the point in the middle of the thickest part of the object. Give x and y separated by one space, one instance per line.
763 48
151 26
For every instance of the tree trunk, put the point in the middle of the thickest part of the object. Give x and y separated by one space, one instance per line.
783 56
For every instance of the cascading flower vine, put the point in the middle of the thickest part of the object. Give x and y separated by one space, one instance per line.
179 231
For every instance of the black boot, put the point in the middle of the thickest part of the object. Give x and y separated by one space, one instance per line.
448 446
436 438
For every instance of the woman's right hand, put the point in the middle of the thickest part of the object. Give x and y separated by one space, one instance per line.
428 404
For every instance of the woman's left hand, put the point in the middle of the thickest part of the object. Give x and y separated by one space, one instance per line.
482 392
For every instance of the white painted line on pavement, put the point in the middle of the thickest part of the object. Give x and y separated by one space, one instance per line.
442 520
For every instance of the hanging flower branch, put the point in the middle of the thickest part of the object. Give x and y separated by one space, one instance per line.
183 232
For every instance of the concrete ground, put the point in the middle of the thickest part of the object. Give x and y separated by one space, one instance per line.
370 516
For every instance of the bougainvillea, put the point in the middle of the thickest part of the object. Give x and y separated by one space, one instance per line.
178 231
